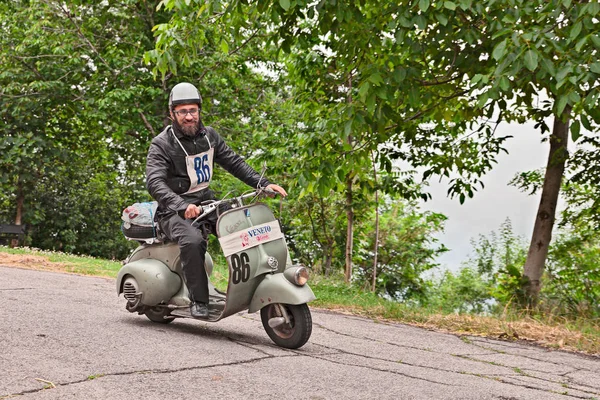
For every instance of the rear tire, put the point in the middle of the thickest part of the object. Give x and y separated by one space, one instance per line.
162 315
292 335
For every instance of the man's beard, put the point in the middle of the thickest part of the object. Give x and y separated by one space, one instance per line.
188 130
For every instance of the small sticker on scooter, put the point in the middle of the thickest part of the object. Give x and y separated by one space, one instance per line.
247 212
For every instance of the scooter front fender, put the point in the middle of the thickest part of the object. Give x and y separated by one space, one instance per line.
156 282
276 288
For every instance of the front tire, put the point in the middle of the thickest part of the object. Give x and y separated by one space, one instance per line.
162 315
292 335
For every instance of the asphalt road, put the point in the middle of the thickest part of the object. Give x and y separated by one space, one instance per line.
70 337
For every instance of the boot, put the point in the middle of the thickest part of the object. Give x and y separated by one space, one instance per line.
199 310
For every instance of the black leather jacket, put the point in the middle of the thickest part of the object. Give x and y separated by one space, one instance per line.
166 173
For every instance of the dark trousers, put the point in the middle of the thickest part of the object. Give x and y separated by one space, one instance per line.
192 247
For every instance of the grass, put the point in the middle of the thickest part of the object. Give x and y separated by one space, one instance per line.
333 294
51 260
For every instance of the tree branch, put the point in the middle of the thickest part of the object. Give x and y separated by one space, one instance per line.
133 134
230 53
146 123
69 15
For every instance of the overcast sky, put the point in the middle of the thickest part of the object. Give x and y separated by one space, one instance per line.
490 206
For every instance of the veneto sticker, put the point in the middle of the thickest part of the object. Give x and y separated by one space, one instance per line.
250 237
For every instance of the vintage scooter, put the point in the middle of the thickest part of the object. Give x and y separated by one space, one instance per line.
261 274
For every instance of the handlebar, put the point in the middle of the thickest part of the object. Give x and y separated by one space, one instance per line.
237 201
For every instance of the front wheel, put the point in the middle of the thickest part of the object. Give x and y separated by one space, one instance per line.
290 335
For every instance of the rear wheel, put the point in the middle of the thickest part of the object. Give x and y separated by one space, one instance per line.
161 315
290 335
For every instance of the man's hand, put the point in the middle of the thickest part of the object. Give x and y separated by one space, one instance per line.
192 211
278 189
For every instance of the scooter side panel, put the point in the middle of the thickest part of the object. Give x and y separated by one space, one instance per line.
277 289
168 253
157 283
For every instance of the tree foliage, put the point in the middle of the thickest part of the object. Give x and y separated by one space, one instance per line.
322 92
573 274
77 112
407 249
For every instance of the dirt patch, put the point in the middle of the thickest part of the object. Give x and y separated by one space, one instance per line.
32 262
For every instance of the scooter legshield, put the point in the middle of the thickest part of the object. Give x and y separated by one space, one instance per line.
157 283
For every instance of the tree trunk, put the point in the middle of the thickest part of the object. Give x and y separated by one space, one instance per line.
349 205
350 229
544 222
19 212
376 228
328 261
328 242
20 200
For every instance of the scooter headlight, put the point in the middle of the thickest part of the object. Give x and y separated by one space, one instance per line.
297 275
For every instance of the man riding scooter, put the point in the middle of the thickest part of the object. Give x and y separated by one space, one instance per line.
179 168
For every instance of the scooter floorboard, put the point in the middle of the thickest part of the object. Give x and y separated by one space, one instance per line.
215 308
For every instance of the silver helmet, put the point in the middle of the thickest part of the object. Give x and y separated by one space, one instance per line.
184 93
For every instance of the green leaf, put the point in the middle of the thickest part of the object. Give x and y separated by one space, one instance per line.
574 97
348 128
547 66
586 122
483 100
508 18
442 19
531 60
504 83
376 78
561 75
465 4
593 8
371 102
420 21
513 271
399 75
413 97
595 67
423 5
560 105
450 5
224 46
581 43
502 32
364 90
499 50
575 31
381 92
575 130
285 4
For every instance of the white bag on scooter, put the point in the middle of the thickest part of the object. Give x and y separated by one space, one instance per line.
138 221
